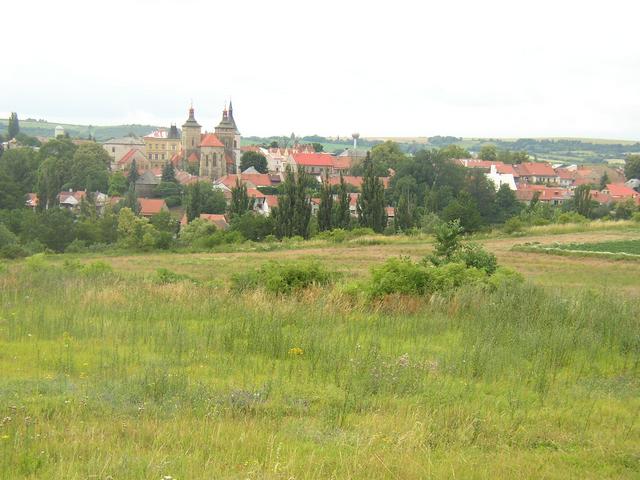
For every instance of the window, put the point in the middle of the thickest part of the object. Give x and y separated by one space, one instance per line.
150 156
156 156
163 156
113 149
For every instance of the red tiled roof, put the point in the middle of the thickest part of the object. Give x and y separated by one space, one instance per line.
258 179
210 140
151 206
63 196
355 181
620 190
272 200
219 220
255 193
128 157
565 174
526 193
193 158
535 169
600 197
342 163
314 159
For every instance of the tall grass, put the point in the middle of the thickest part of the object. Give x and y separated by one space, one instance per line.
123 377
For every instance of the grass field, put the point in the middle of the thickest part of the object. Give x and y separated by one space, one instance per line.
118 375
614 246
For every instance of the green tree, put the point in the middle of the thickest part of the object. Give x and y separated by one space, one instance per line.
506 204
325 210
447 236
255 160
131 200
293 214
483 192
371 204
240 201
90 168
465 210
117 184
169 173
488 152
454 152
18 175
604 181
342 211
54 171
582 200
194 201
14 125
317 147
632 166
405 212
133 175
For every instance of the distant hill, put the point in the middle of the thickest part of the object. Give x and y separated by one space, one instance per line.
39 128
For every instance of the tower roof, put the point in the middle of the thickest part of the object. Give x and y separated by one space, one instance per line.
191 121
228 122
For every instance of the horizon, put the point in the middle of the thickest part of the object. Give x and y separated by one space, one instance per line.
290 72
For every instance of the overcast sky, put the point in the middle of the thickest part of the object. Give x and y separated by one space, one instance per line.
383 68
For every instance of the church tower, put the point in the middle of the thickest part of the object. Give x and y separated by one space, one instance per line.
228 133
191 131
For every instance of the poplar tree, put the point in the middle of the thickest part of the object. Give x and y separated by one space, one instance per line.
404 211
325 210
342 211
240 201
133 175
293 214
371 206
14 125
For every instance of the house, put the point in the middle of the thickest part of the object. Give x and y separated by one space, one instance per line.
160 145
566 177
270 202
124 163
151 206
553 195
536 172
32 200
147 183
119 147
314 163
355 181
219 220
71 199
499 179
621 192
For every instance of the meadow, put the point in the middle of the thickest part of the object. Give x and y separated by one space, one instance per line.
118 371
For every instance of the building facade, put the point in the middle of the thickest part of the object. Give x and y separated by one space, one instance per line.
162 145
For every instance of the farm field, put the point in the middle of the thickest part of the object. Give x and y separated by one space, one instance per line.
121 374
614 246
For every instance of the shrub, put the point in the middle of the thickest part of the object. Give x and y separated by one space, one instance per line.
475 256
14 251
7 237
97 269
505 277
571 217
77 246
37 263
283 278
513 225
165 276
400 275
636 217
430 222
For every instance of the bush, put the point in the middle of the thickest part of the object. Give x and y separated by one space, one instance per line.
37 263
14 251
97 269
636 217
165 276
283 278
513 225
475 256
77 246
7 237
571 217
430 222
505 278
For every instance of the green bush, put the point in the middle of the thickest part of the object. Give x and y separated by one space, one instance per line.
473 255
13 251
505 278
97 269
7 237
37 263
77 246
513 225
283 278
636 217
165 276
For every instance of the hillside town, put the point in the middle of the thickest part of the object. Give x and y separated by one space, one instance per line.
194 173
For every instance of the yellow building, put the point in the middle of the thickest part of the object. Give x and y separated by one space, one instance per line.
161 146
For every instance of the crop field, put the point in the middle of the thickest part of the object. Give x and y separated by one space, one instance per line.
114 368
619 246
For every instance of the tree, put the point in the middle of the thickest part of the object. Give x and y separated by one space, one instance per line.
447 239
90 168
54 171
506 204
293 214
18 175
371 205
405 212
454 151
253 159
169 173
131 200
325 210
465 210
194 201
488 152
117 184
604 181
582 200
483 192
133 175
342 216
317 147
632 166
240 201
14 125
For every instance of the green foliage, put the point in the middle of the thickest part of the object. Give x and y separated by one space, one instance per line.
169 173
632 166
201 197
582 200
317 147
513 225
241 204
18 174
474 256
14 125
342 212
90 168
7 237
13 251
293 214
447 236
325 210
371 203
253 159
135 232
488 152
54 172
465 210
283 278
117 184
405 212
253 226
165 276
133 175
506 204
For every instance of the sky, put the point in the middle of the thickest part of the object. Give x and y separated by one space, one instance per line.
394 68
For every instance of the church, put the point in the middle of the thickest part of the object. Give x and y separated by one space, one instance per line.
214 154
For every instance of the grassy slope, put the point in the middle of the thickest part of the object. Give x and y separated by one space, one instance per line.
122 377
101 133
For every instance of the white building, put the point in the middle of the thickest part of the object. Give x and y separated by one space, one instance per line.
500 179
